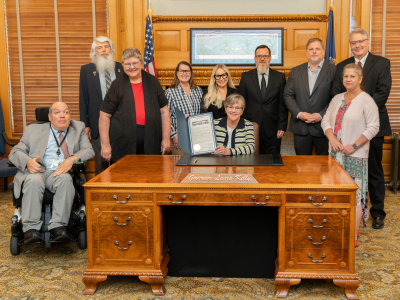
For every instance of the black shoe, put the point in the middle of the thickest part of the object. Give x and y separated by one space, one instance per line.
378 223
60 234
32 236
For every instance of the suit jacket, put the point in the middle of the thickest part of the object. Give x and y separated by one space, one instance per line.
299 98
270 112
33 143
90 97
377 82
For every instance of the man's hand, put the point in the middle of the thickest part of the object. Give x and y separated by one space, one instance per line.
65 166
304 116
175 141
33 165
313 118
88 131
280 134
165 146
106 152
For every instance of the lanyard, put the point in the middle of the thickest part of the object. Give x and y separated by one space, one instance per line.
59 144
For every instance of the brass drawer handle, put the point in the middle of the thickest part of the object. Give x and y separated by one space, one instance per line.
122 224
315 260
259 203
317 204
123 248
316 226
175 202
121 202
317 243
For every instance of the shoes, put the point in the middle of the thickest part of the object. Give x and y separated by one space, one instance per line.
356 244
60 234
32 236
378 223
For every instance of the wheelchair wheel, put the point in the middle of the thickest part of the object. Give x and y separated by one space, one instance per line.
82 240
14 247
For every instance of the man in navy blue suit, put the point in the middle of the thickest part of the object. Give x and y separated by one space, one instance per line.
95 79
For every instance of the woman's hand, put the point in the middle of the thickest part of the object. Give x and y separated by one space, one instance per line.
336 145
165 146
222 150
175 141
106 152
347 150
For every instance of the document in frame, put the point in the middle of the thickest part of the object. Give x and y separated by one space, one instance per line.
202 134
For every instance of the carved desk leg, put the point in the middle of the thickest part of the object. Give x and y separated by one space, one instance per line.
91 282
350 287
157 284
283 284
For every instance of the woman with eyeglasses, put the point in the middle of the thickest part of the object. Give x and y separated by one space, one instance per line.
235 135
220 87
184 95
134 116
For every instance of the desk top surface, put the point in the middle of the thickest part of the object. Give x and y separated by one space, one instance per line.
160 171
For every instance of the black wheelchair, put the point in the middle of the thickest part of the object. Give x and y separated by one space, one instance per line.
77 221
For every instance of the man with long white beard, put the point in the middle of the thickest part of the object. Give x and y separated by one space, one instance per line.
262 88
95 80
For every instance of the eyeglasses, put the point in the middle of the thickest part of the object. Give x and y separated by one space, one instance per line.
263 56
223 76
357 42
184 71
135 64
234 108
101 47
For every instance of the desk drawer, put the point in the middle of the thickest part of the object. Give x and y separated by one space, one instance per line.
121 216
317 238
321 259
315 218
121 197
261 199
317 199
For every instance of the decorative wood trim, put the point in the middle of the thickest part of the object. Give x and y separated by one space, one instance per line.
241 18
122 273
307 276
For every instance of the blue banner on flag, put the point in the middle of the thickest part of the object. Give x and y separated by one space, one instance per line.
330 54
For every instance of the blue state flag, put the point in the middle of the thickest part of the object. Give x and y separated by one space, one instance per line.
330 54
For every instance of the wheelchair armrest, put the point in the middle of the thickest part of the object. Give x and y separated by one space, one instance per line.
10 164
7 140
79 167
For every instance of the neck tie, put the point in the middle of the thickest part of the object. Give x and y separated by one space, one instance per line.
108 80
359 63
263 87
64 148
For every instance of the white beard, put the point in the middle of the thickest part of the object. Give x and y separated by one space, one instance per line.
262 70
105 64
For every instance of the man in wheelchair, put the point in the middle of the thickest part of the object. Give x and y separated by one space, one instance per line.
45 156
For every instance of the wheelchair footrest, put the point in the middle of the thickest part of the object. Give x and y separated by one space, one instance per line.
71 239
22 243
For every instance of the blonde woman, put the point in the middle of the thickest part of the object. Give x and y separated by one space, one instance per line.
220 87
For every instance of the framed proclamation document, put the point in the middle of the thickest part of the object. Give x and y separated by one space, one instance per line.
196 134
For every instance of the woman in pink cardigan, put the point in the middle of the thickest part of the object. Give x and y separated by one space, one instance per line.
350 122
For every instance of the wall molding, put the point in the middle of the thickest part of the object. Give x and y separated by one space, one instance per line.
240 18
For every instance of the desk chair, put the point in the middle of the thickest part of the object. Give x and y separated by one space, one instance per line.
256 137
77 222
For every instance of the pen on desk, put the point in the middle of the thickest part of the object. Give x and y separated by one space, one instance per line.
195 161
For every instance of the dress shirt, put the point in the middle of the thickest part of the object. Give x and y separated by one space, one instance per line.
266 78
362 60
50 154
103 82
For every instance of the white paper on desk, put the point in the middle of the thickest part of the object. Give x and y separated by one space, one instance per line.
202 135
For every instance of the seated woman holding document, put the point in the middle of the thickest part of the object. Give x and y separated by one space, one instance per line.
235 135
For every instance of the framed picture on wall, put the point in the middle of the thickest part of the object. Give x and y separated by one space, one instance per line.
234 47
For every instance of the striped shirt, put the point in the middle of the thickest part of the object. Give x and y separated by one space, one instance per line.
177 98
242 136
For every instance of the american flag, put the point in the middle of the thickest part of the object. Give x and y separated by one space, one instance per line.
149 64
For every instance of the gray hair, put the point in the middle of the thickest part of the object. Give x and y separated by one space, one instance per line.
100 39
359 30
235 98
312 40
131 52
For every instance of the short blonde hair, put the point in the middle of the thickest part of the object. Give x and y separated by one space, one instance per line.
131 52
233 99
359 30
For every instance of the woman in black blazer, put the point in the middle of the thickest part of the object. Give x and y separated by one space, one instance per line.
220 87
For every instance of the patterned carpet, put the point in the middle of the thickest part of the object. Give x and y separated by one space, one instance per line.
55 273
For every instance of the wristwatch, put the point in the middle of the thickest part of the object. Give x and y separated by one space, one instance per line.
355 146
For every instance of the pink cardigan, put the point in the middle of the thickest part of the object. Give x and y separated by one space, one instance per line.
361 118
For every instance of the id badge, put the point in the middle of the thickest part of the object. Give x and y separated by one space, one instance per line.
55 163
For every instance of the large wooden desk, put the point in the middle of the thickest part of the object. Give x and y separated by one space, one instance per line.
126 217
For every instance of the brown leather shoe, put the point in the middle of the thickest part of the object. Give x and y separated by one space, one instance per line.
378 223
60 234
32 236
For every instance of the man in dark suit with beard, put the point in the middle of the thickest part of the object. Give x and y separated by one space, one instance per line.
95 79
377 82
262 88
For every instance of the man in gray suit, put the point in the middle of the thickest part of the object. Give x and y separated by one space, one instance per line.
44 157
307 96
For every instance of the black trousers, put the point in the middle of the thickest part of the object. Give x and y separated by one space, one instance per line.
376 179
303 144
269 145
139 141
